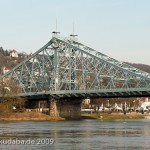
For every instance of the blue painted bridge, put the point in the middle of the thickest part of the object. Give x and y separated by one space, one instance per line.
67 69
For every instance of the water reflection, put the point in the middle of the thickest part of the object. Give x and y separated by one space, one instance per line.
81 135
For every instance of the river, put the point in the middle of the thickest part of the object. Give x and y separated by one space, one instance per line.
76 135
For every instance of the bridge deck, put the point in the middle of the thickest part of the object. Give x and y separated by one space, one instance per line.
89 93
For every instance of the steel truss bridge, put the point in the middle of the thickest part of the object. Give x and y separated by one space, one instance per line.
65 68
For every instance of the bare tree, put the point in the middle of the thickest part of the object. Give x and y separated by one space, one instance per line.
9 96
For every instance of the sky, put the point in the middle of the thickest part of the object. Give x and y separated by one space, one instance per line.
117 28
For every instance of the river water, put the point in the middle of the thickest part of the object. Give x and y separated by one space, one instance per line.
76 135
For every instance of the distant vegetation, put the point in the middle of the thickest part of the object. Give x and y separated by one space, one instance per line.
140 66
8 100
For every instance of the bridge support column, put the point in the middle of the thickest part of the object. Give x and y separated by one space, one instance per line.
70 109
53 110
66 108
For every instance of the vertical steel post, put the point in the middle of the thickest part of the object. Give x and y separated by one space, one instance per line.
56 71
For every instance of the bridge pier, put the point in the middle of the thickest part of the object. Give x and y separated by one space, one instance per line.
66 108
53 109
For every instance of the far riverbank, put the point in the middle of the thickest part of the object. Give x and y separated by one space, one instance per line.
37 116
132 115
28 116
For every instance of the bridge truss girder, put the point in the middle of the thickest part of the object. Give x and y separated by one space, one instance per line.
66 66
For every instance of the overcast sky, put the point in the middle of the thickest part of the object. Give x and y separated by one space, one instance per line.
117 28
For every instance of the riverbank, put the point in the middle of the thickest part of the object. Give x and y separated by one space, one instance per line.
28 116
37 116
114 116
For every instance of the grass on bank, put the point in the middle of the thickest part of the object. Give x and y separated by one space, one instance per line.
37 116
112 116
27 116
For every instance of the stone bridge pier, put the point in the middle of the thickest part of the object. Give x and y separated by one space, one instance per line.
66 108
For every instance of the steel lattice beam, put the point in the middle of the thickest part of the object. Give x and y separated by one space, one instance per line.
67 66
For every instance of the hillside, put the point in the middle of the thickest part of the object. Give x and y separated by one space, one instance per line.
140 66
10 58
